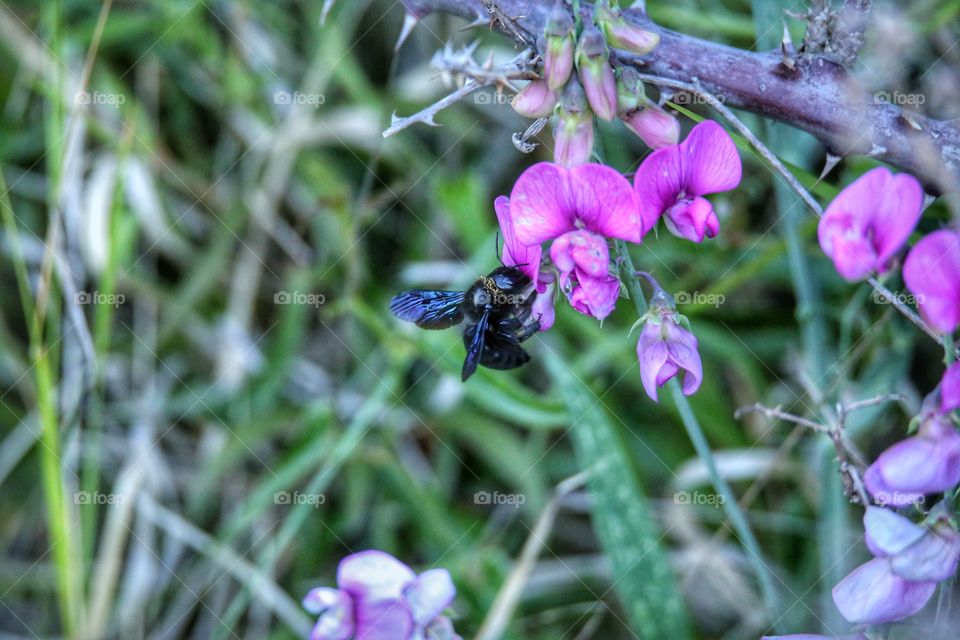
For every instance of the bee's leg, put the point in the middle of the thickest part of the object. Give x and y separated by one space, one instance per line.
518 329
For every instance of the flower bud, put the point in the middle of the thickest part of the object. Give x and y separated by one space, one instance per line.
655 126
621 34
596 73
535 100
630 93
573 130
558 50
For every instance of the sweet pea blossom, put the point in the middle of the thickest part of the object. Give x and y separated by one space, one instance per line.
578 209
815 636
873 594
932 273
928 462
380 598
910 560
665 348
527 259
868 222
672 181
916 553
950 389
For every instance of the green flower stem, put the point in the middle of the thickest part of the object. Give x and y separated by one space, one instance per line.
730 505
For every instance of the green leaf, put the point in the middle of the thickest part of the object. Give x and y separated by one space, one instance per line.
622 517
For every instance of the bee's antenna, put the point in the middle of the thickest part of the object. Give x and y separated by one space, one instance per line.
497 247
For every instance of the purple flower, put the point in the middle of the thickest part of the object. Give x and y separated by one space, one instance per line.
932 273
578 209
573 128
527 259
873 594
814 636
535 100
916 553
928 462
868 222
672 181
656 127
596 74
665 349
583 260
380 598
558 51
950 389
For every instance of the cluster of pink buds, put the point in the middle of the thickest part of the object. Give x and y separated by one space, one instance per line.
581 80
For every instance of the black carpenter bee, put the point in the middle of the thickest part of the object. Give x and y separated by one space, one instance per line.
497 308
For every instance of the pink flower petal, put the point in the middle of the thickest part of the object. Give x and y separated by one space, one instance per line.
540 205
873 594
582 250
692 220
898 214
932 273
596 296
658 182
684 352
526 257
543 307
844 239
711 160
604 202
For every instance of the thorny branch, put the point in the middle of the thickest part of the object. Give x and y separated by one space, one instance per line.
850 464
460 67
812 91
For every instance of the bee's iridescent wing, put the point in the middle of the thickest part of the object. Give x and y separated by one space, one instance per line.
473 340
430 309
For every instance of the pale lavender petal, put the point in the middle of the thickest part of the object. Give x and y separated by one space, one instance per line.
383 620
335 608
692 220
897 216
814 636
873 594
683 352
441 629
932 273
884 494
711 160
604 202
926 463
933 557
652 354
430 594
540 204
373 575
950 389
887 532
525 257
